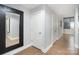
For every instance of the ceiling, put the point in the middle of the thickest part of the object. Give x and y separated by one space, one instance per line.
64 10
30 6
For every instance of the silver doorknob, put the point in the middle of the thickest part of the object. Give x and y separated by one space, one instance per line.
39 33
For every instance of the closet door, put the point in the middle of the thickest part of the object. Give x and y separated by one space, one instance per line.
36 29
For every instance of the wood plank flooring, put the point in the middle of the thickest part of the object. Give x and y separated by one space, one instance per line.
60 47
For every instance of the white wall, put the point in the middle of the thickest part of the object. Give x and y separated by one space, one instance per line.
26 26
49 24
50 15
60 28
53 30
57 30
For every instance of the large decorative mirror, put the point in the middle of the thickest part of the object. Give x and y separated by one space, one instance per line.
11 28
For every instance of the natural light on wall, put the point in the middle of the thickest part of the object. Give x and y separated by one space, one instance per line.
72 25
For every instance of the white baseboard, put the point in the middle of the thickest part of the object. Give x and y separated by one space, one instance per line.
46 49
60 36
17 50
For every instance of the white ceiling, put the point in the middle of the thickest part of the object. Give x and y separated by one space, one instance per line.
30 6
65 10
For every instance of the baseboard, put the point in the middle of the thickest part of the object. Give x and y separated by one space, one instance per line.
17 50
46 49
60 36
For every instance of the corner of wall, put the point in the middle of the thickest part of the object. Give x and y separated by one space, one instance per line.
47 48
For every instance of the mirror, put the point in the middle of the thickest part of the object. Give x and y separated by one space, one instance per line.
12 29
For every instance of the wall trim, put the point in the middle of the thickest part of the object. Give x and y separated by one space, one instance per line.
46 49
60 36
51 45
17 50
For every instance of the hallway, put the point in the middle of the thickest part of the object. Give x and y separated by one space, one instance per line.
60 47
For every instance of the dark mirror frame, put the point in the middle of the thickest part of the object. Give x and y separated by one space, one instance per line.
4 9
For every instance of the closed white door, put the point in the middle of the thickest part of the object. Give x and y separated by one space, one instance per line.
36 29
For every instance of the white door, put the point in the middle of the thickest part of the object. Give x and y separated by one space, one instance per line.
36 29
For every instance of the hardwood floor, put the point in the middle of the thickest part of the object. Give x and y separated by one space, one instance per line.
60 47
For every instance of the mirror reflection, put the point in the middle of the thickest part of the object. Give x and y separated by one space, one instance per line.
12 29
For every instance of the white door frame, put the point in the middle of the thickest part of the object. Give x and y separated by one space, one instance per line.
76 29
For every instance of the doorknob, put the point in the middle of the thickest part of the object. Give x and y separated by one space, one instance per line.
39 33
